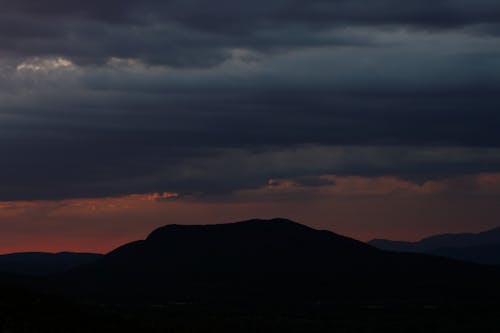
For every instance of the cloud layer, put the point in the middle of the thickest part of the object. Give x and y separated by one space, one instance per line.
203 33
110 98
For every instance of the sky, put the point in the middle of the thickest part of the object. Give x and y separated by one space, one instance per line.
367 118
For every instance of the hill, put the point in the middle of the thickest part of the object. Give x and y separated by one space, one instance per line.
483 247
41 263
267 259
257 275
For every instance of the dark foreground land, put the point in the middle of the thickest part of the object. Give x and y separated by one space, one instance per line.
255 276
26 312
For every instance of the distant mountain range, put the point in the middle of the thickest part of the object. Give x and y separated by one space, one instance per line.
41 263
483 247
256 275
273 245
263 259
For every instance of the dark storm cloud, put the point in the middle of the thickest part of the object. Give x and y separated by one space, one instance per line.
199 33
306 181
197 97
214 14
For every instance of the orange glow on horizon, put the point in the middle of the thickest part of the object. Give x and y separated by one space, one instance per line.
360 207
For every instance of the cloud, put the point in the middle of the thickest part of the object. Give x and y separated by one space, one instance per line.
45 65
112 98
306 181
198 33
68 173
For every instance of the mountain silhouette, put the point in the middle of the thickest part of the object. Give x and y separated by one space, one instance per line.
254 245
257 275
482 247
42 263
275 258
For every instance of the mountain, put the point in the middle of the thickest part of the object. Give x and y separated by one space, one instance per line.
257 275
483 247
41 263
267 259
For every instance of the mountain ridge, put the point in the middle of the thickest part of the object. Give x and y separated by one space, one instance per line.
256 235
265 259
481 247
44 263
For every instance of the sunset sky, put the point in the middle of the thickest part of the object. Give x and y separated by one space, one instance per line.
368 118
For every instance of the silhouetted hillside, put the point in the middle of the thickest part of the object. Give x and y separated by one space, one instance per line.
259 259
272 246
483 247
24 310
254 276
40 263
